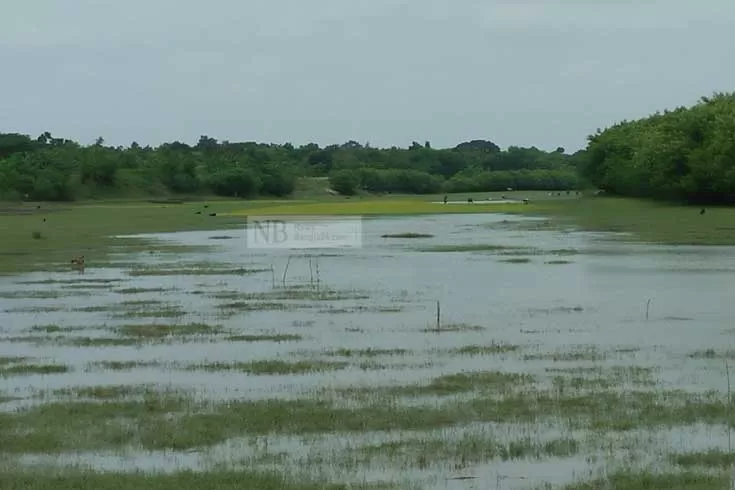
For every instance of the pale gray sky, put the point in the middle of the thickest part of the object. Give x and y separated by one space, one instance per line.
544 73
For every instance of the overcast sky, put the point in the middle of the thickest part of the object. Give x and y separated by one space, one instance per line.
542 73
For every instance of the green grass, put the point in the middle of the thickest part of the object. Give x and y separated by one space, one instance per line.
647 221
86 229
175 421
89 230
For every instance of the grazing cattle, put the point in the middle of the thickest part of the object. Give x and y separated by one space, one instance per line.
469 200
702 211
525 201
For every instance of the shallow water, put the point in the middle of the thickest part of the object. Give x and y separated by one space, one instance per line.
655 304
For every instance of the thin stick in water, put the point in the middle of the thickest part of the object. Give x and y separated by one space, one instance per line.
438 316
729 403
285 271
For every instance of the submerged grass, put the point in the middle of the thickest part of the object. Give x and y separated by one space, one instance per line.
713 458
175 421
643 480
264 338
246 479
156 330
155 271
465 450
271 367
31 369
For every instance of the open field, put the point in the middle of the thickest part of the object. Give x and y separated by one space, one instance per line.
568 354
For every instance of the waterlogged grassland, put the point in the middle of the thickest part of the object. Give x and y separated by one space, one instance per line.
288 378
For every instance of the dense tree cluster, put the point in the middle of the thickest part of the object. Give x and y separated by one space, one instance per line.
48 168
686 154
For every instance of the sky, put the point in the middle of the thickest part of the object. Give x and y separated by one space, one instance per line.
384 72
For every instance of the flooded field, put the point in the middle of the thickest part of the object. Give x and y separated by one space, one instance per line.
557 357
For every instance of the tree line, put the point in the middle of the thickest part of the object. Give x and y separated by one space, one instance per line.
56 169
686 154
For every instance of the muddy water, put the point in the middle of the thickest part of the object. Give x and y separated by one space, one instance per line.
631 304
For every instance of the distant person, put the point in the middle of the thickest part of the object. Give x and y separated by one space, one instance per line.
445 199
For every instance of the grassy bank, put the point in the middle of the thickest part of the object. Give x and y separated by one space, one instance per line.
40 238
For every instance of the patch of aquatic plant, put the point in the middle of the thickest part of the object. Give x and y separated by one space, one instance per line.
407 235
110 392
271 366
713 458
647 480
713 354
168 312
30 369
466 450
121 365
245 306
141 290
556 309
590 353
35 309
195 272
71 281
312 293
477 350
455 327
363 309
475 247
558 262
598 378
223 479
56 328
141 302
516 260
97 341
156 330
368 352
176 422
264 338
36 294
5 360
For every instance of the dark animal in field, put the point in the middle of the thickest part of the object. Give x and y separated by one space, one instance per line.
525 201
213 214
469 200
198 212
445 199
702 211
